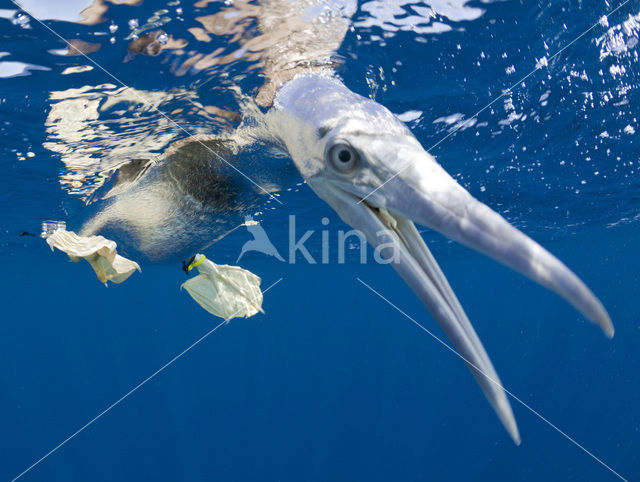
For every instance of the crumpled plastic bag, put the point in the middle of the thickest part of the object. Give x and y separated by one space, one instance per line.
223 290
99 251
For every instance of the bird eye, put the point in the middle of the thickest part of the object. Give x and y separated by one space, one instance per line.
342 157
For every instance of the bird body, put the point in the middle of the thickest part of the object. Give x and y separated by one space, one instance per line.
365 163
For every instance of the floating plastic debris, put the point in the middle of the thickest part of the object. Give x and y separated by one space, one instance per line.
97 250
223 290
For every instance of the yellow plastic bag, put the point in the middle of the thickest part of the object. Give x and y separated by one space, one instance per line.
223 290
100 252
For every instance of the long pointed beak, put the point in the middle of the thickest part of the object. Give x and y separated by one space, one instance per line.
426 194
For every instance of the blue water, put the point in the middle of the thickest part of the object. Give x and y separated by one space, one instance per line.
332 383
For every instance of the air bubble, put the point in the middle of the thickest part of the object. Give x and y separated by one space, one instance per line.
22 20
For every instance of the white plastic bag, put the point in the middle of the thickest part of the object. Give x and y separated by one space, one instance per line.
223 290
100 252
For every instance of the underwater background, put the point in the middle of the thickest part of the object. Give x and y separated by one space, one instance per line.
331 383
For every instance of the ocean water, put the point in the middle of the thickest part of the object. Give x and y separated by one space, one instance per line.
331 383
